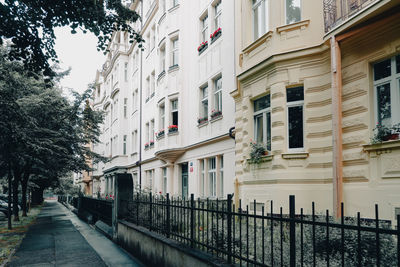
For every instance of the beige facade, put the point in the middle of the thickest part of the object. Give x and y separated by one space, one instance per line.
288 57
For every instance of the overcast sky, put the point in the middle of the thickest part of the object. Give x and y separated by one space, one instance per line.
79 52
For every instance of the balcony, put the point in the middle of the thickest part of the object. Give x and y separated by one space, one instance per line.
337 12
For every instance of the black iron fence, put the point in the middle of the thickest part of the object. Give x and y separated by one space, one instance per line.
338 11
100 209
260 238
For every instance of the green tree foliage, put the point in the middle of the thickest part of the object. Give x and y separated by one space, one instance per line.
43 134
29 24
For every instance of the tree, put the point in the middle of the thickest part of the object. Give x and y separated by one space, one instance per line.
43 135
29 25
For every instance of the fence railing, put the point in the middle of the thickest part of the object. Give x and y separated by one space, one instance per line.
338 11
256 237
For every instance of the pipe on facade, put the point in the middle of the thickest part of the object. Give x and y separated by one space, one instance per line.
141 102
337 141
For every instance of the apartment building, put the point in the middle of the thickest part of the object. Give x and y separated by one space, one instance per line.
314 77
167 104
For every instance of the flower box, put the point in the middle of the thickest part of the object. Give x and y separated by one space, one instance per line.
172 128
151 143
384 133
215 35
203 46
146 145
160 134
202 120
215 114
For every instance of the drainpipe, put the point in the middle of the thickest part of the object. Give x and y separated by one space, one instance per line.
141 102
337 141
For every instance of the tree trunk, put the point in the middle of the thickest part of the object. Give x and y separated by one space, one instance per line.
37 196
9 200
15 186
24 185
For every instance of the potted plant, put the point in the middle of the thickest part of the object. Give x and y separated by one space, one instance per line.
151 143
217 33
172 128
202 120
215 113
160 133
257 152
383 133
146 145
203 46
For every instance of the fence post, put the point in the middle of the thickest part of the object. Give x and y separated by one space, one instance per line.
192 220
229 228
168 216
150 210
292 238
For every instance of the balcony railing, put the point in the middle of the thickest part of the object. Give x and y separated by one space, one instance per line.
338 11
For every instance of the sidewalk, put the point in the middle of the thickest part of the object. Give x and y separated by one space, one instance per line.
59 238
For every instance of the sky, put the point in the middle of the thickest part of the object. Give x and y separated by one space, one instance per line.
78 51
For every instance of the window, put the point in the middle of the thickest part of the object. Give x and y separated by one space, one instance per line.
204 28
212 177
387 91
174 112
147 88
202 178
293 11
153 37
126 71
218 94
164 174
260 17
295 102
175 3
221 173
218 12
162 59
174 52
204 102
162 116
149 175
134 141
152 84
151 137
125 107
124 146
147 132
262 121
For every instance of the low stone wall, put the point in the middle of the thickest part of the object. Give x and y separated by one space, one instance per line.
156 250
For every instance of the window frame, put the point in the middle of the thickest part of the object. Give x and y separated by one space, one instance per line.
285 9
217 104
394 81
204 28
217 15
203 100
174 110
298 103
212 177
175 52
264 17
162 116
264 114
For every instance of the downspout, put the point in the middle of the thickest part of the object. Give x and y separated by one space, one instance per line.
337 141
141 101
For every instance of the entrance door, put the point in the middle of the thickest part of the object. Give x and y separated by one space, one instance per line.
185 186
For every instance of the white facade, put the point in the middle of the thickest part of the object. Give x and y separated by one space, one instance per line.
170 86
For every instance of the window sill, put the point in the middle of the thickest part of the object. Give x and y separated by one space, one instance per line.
263 39
202 124
203 49
162 18
293 26
173 133
133 154
173 68
160 137
381 148
216 118
216 37
173 8
265 158
295 155
161 75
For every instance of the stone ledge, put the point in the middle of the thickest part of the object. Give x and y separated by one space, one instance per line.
295 155
384 147
290 27
263 39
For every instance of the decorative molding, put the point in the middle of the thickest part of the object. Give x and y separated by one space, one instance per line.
294 26
297 155
382 148
263 39
318 104
318 89
320 134
320 119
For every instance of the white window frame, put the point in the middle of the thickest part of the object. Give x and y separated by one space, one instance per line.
175 3
218 15
263 112
124 145
286 19
125 107
394 81
175 52
165 180
126 71
218 91
221 175
299 103
162 116
174 109
203 101
134 141
263 20
204 28
212 177
202 177
152 84
151 138
162 58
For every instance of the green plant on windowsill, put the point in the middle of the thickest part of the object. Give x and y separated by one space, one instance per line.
384 133
257 152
